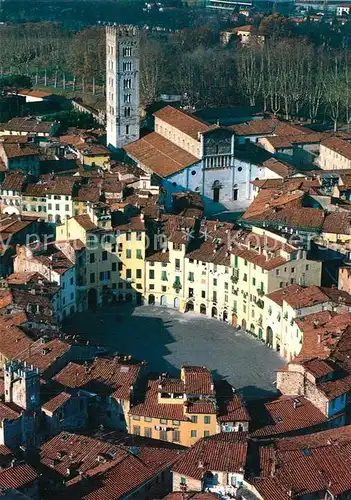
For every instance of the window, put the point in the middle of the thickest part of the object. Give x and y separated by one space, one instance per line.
163 288
127 51
147 419
71 281
214 281
245 277
214 296
151 274
72 296
139 254
277 272
129 273
191 277
128 254
176 436
203 294
148 432
163 275
136 417
57 207
177 264
49 206
281 284
120 266
193 434
127 83
225 286
138 273
128 236
127 129
307 267
253 281
67 208
136 430
127 98
92 258
104 255
175 422
292 269
92 277
163 435
194 419
127 111
163 421
114 266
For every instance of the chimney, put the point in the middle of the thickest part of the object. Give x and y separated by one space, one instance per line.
318 338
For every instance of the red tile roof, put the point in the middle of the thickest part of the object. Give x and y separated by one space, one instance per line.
150 407
339 146
85 222
56 402
17 477
160 155
285 414
312 464
18 150
224 452
113 471
102 376
298 296
187 123
8 413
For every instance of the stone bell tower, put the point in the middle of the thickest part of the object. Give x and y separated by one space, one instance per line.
122 85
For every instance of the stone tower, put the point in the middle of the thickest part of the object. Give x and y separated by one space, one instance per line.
122 85
22 385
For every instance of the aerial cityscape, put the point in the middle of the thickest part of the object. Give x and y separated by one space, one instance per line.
175 250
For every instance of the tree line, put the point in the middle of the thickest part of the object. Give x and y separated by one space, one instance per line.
289 76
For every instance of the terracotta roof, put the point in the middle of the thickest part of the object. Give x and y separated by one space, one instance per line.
298 296
187 123
276 207
202 407
17 477
13 181
248 28
150 407
62 185
234 411
160 155
56 402
113 377
112 470
339 146
224 452
85 222
337 223
198 380
181 495
312 464
8 413
34 93
123 222
27 125
278 167
283 415
19 150
16 345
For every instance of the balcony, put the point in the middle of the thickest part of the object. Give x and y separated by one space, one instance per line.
260 292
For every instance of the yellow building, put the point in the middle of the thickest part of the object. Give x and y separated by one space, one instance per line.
180 410
115 254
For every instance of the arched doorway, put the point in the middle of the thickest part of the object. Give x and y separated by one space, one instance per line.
129 297
189 306
252 328
176 303
92 298
202 309
225 316
243 324
151 300
214 312
163 300
216 189
269 335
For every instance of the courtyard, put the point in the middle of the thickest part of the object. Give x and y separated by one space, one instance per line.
166 339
